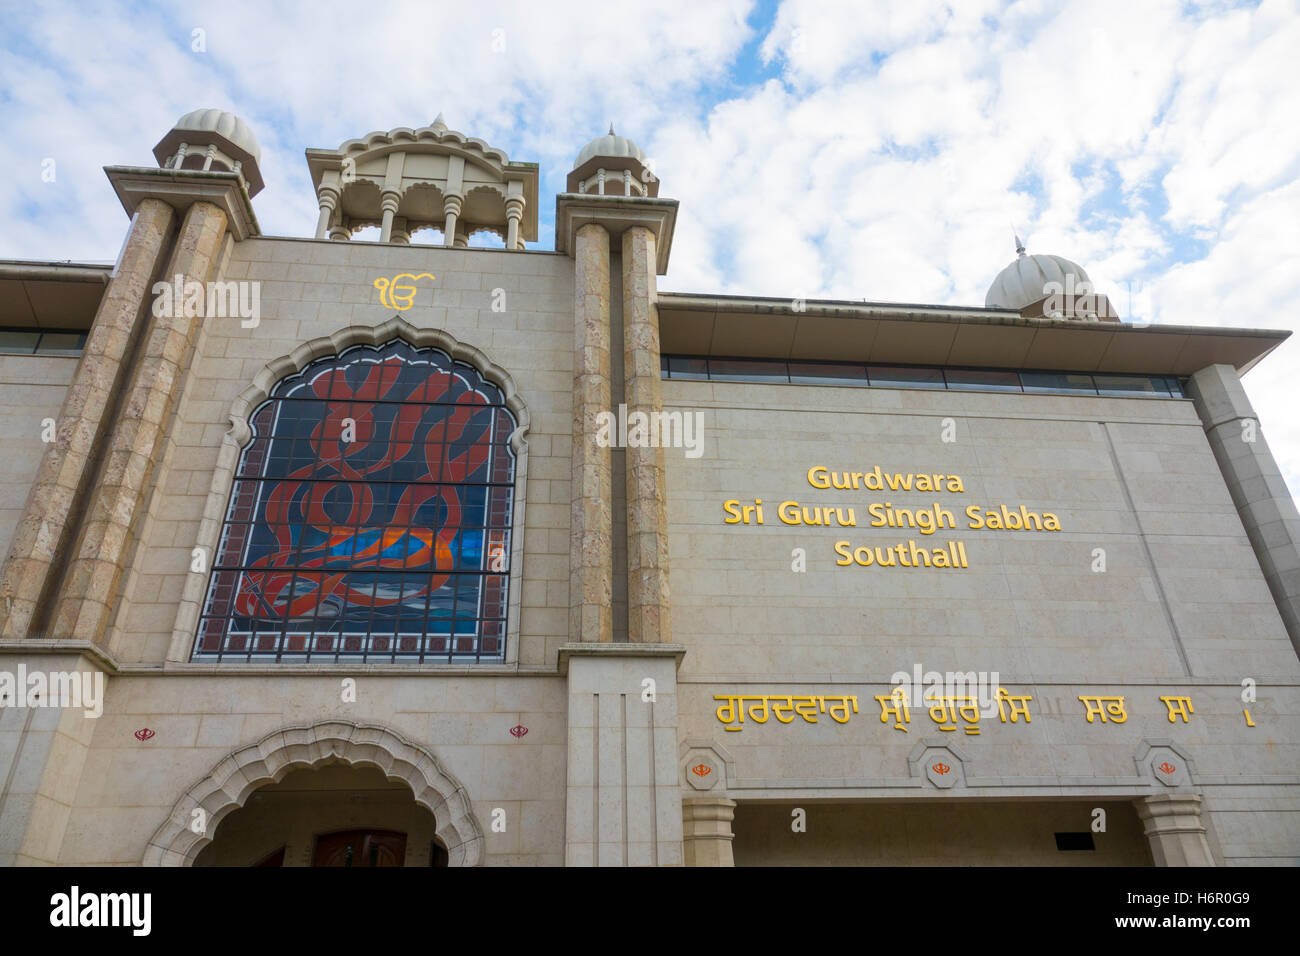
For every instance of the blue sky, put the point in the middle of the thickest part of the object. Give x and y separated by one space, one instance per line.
842 148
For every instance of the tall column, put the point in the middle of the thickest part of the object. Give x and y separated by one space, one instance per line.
401 231
65 465
1173 828
340 232
328 197
89 589
451 205
591 530
1259 491
648 609
706 831
389 204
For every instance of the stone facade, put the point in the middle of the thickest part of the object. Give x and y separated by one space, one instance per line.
634 604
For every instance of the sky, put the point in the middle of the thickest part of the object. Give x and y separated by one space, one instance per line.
846 149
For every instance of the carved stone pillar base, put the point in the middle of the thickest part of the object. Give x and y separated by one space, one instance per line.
1172 824
706 831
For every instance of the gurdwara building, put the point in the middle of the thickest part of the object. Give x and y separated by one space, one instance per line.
410 544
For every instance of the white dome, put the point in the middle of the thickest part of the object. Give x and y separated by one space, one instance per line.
223 124
1023 282
612 145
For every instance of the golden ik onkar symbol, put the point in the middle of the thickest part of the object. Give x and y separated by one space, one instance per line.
392 294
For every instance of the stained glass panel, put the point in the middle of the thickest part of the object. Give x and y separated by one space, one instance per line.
370 516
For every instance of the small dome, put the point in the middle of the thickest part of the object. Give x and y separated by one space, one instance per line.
223 124
611 145
1023 282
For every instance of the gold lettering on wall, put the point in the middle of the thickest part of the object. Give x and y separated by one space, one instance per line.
925 520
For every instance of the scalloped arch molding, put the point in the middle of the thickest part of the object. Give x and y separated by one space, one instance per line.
376 335
232 781
425 136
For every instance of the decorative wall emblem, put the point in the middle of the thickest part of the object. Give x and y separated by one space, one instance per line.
394 294
702 765
1163 761
143 734
938 762
518 730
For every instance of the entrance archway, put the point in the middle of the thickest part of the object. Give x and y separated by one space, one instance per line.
195 817
334 815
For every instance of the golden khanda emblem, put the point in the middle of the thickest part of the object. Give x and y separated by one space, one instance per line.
701 770
1166 767
941 768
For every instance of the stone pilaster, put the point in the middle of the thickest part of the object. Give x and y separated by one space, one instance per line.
649 617
1173 828
67 461
623 799
591 528
1263 500
89 589
43 754
706 831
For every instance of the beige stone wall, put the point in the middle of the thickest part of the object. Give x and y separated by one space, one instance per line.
1029 602
935 833
32 388
128 786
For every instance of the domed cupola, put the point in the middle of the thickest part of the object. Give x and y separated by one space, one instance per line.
212 139
612 165
1043 286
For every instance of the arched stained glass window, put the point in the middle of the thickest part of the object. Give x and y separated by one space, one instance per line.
370 516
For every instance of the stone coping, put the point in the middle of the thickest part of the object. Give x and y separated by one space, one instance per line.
619 649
